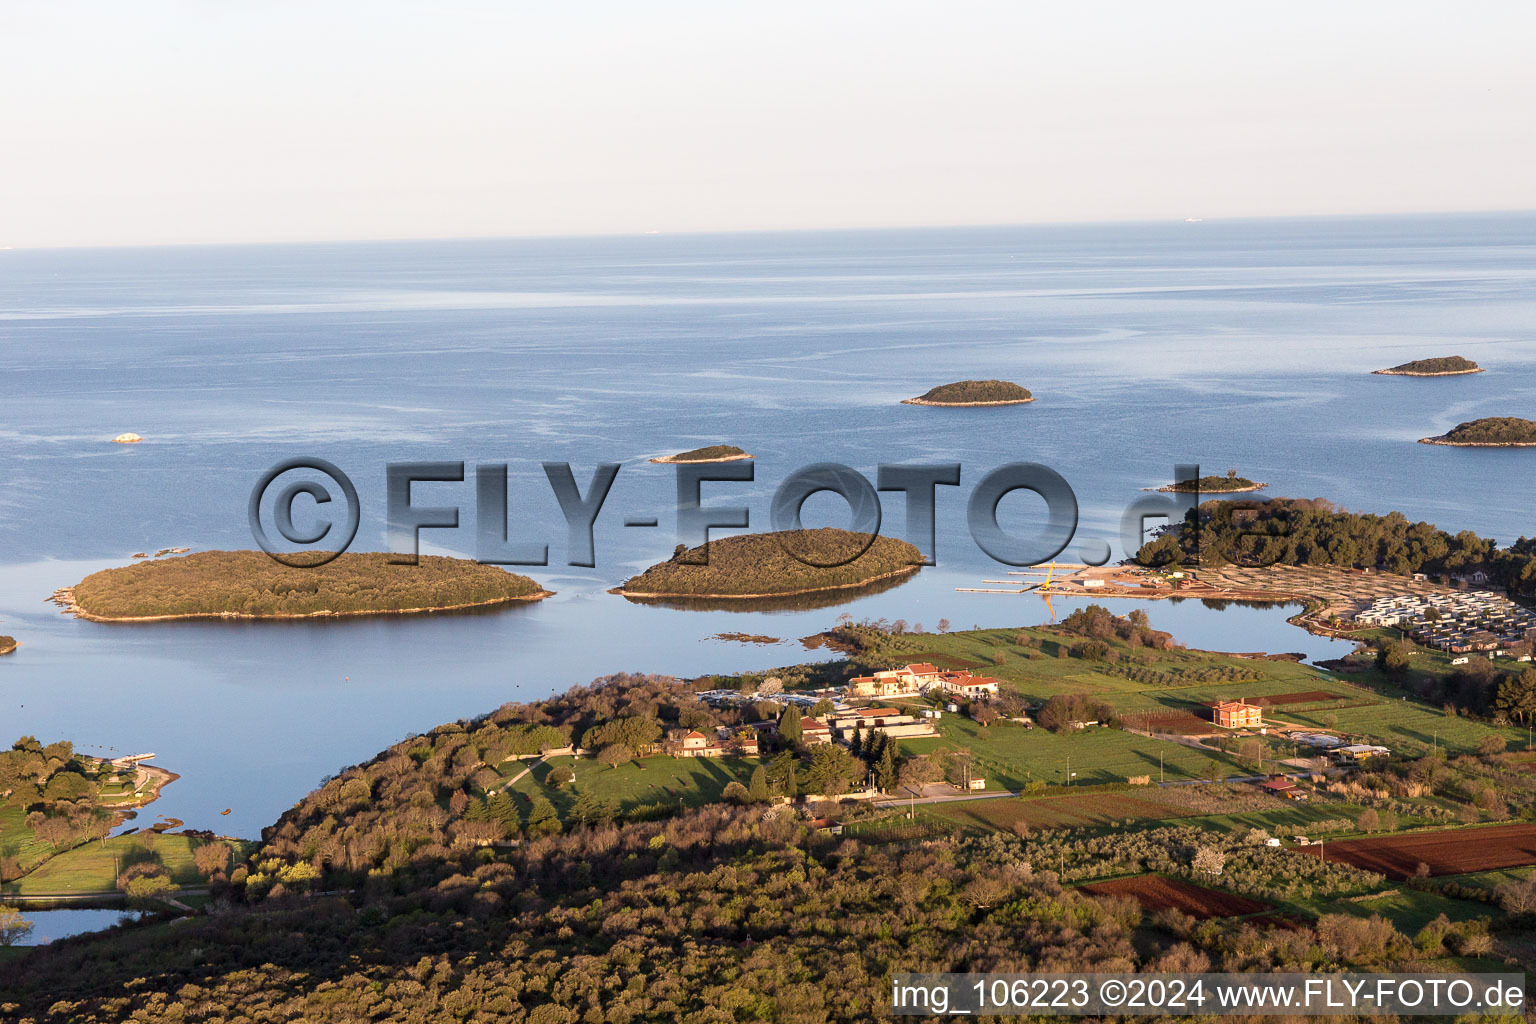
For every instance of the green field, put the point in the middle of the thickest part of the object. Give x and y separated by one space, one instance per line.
1410 909
685 781
16 840
1011 756
94 867
1037 673
1408 727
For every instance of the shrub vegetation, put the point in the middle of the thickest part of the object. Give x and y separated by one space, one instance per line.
249 583
1440 364
964 392
756 564
1492 430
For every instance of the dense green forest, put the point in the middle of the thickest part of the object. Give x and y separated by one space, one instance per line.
251 583
1440 364
1292 531
965 392
761 564
1490 430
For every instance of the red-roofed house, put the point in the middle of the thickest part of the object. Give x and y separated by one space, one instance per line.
1237 714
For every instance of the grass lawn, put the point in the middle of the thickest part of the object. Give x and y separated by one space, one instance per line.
1011 756
94 866
1409 909
1403 725
1491 880
685 781
1037 673
16 839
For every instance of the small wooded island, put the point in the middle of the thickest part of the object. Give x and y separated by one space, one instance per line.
250 585
7 644
1441 366
1229 484
709 453
759 565
1489 432
974 392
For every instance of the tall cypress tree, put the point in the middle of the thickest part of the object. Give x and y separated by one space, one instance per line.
757 788
789 725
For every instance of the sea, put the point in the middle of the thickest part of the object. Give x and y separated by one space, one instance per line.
1228 344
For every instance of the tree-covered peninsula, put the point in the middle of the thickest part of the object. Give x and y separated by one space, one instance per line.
249 584
761 565
1488 432
974 392
709 453
1440 366
1300 531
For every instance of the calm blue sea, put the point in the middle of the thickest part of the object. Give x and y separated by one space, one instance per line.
1243 345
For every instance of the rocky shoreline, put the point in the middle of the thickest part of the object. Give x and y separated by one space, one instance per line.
959 405
648 595
1171 489
673 460
1420 373
64 597
1476 444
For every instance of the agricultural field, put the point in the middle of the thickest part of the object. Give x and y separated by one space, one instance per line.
1406 726
1232 808
1010 756
1306 697
1036 672
1179 723
1155 892
1088 809
685 781
1447 852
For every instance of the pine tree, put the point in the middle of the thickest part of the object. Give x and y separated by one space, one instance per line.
856 744
502 809
542 819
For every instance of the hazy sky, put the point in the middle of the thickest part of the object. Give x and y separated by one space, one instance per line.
151 122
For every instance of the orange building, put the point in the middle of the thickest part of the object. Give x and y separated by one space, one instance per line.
1237 714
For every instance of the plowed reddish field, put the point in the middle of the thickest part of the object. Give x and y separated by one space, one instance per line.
1447 853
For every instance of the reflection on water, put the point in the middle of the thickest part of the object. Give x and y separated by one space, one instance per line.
770 605
52 925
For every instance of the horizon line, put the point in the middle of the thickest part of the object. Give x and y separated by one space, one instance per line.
827 230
